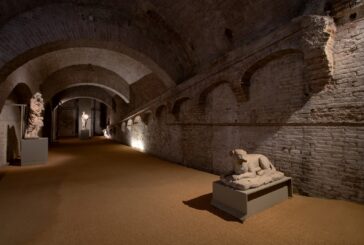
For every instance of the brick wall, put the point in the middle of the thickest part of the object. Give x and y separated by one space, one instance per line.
304 110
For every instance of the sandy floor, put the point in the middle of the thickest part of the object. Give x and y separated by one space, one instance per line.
98 192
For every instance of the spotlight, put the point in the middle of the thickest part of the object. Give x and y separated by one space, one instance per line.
137 144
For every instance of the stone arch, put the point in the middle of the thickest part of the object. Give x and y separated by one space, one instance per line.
176 108
147 117
7 89
203 95
93 24
84 97
160 110
137 120
85 75
22 92
88 92
38 69
129 125
245 81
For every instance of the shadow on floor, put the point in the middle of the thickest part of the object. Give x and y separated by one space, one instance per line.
204 203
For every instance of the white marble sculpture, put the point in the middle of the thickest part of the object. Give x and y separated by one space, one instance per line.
250 171
107 133
84 119
35 119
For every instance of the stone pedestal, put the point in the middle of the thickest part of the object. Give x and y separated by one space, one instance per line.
242 204
34 151
84 134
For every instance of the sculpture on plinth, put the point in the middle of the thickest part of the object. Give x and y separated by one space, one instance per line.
35 119
107 133
250 171
84 119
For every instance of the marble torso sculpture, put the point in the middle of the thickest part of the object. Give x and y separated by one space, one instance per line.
84 119
251 170
35 120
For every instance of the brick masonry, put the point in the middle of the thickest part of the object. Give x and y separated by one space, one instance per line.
304 110
288 84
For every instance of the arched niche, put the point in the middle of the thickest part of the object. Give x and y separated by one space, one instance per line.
147 117
85 75
21 93
246 78
205 92
129 125
89 92
137 120
202 99
160 112
176 108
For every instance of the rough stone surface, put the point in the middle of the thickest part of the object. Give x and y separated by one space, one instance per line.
304 110
282 78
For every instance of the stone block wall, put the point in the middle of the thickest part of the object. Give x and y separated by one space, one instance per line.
302 106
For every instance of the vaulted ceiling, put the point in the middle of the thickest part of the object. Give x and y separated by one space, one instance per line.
131 40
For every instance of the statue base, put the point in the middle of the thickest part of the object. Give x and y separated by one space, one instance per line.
242 204
34 150
84 134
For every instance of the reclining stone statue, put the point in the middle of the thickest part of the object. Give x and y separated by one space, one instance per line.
250 171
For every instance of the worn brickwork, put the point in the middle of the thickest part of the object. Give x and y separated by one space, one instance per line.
141 92
73 76
306 117
189 83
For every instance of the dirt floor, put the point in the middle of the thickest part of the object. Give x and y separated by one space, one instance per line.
100 192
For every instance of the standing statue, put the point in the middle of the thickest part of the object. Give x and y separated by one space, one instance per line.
250 171
106 132
35 119
84 119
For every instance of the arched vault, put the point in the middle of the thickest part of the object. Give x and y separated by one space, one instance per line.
89 92
77 75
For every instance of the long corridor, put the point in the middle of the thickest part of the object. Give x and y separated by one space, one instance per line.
101 192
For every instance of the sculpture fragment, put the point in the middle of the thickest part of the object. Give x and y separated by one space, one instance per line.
35 119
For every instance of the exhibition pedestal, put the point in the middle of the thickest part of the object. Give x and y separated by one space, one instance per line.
84 134
242 204
34 151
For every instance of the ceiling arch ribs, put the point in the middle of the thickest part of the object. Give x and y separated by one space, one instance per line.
89 92
47 28
78 75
